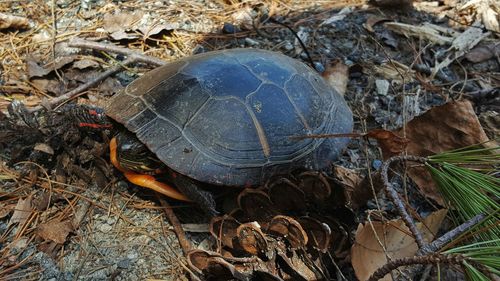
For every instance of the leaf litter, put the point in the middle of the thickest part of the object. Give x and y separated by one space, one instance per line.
404 64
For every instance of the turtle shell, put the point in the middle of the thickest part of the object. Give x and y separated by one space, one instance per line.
227 117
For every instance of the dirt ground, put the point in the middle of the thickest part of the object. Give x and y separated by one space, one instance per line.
67 214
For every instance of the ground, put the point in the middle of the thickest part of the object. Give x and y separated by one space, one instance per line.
66 214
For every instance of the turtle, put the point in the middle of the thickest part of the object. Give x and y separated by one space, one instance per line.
225 118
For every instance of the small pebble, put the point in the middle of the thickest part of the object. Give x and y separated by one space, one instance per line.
105 228
125 263
111 220
230 28
319 67
382 87
251 42
376 164
288 46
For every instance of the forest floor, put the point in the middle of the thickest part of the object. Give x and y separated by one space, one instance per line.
428 71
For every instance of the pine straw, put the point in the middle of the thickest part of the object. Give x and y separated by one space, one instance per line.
38 43
16 47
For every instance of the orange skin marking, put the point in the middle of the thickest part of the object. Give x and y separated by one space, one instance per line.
92 125
146 181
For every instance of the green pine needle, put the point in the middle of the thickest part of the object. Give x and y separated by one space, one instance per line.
487 253
466 181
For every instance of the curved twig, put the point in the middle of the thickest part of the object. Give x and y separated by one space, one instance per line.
429 259
394 196
73 93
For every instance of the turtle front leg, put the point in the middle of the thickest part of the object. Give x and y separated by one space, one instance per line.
194 192
187 189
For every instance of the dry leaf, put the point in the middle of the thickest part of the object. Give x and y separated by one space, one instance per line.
122 35
35 70
490 19
256 204
49 86
85 63
430 32
368 254
149 31
22 211
372 20
6 209
55 230
395 71
390 143
43 147
462 43
294 200
121 21
243 18
337 75
447 127
483 53
351 182
14 22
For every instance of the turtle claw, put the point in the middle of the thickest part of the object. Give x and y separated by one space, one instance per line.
192 190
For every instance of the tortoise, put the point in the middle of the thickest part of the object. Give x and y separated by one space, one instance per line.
226 118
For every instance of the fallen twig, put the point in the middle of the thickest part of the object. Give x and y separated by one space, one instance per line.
429 259
71 94
174 221
133 57
85 44
449 236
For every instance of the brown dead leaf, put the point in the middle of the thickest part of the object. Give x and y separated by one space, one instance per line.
22 211
6 209
35 70
123 35
85 63
390 143
367 252
55 230
351 182
447 127
59 62
49 86
372 20
149 31
121 21
43 147
337 75
483 53
14 22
